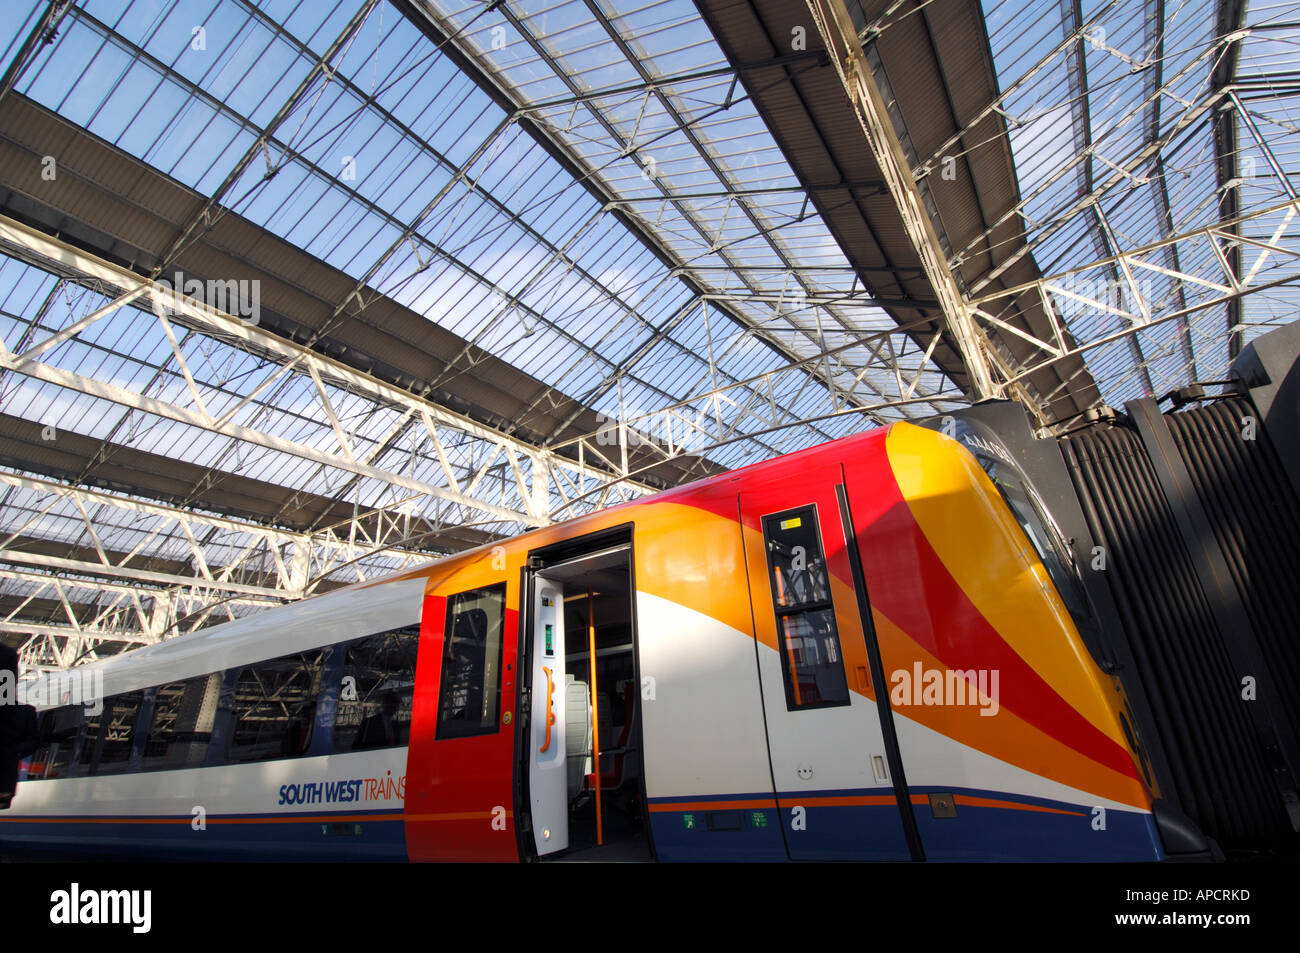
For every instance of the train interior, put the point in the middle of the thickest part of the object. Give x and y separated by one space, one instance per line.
602 710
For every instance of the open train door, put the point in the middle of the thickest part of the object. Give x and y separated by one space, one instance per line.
831 763
546 745
580 762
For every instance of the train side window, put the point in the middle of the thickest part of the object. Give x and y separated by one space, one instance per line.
274 708
376 691
182 723
121 714
468 701
807 636
88 741
58 729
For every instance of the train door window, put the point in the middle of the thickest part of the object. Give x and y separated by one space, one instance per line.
468 702
122 712
807 636
182 723
376 691
57 741
274 708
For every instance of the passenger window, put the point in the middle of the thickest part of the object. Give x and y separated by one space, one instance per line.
807 637
58 738
88 742
183 713
119 733
274 708
471 663
376 691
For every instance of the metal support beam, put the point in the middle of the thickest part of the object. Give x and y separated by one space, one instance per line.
747 409
840 36
330 377
1211 289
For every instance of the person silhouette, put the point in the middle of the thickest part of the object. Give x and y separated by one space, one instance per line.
18 735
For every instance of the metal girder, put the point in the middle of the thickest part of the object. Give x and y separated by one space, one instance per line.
1081 111
1154 79
863 300
1230 18
106 567
295 562
544 481
44 651
837 30
258 565
1120 172
758 405
43 30
978 316
1202 290
409 233
237 563
320 69
556 137
1157 85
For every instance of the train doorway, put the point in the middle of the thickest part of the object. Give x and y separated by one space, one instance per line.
584 752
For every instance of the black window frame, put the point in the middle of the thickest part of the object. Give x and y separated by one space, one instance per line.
811 607
88 737
69 744
119 765
449 729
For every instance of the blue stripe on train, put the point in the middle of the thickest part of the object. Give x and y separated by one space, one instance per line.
678 842
724 834
874 833
241 838
1084 833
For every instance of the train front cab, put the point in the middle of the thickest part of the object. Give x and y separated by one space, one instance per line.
858 656
1035 762
846 654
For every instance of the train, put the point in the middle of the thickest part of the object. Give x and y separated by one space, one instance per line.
869 650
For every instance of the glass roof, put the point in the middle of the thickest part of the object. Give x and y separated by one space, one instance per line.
400 170
1115 151
601 206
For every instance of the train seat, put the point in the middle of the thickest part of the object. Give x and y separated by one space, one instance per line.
577 733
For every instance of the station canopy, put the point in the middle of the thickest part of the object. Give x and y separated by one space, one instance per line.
295 294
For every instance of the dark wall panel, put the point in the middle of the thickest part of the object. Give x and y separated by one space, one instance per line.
1219 762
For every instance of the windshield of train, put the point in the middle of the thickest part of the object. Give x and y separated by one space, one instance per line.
1032 516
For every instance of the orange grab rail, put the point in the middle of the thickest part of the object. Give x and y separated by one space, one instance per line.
550 715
